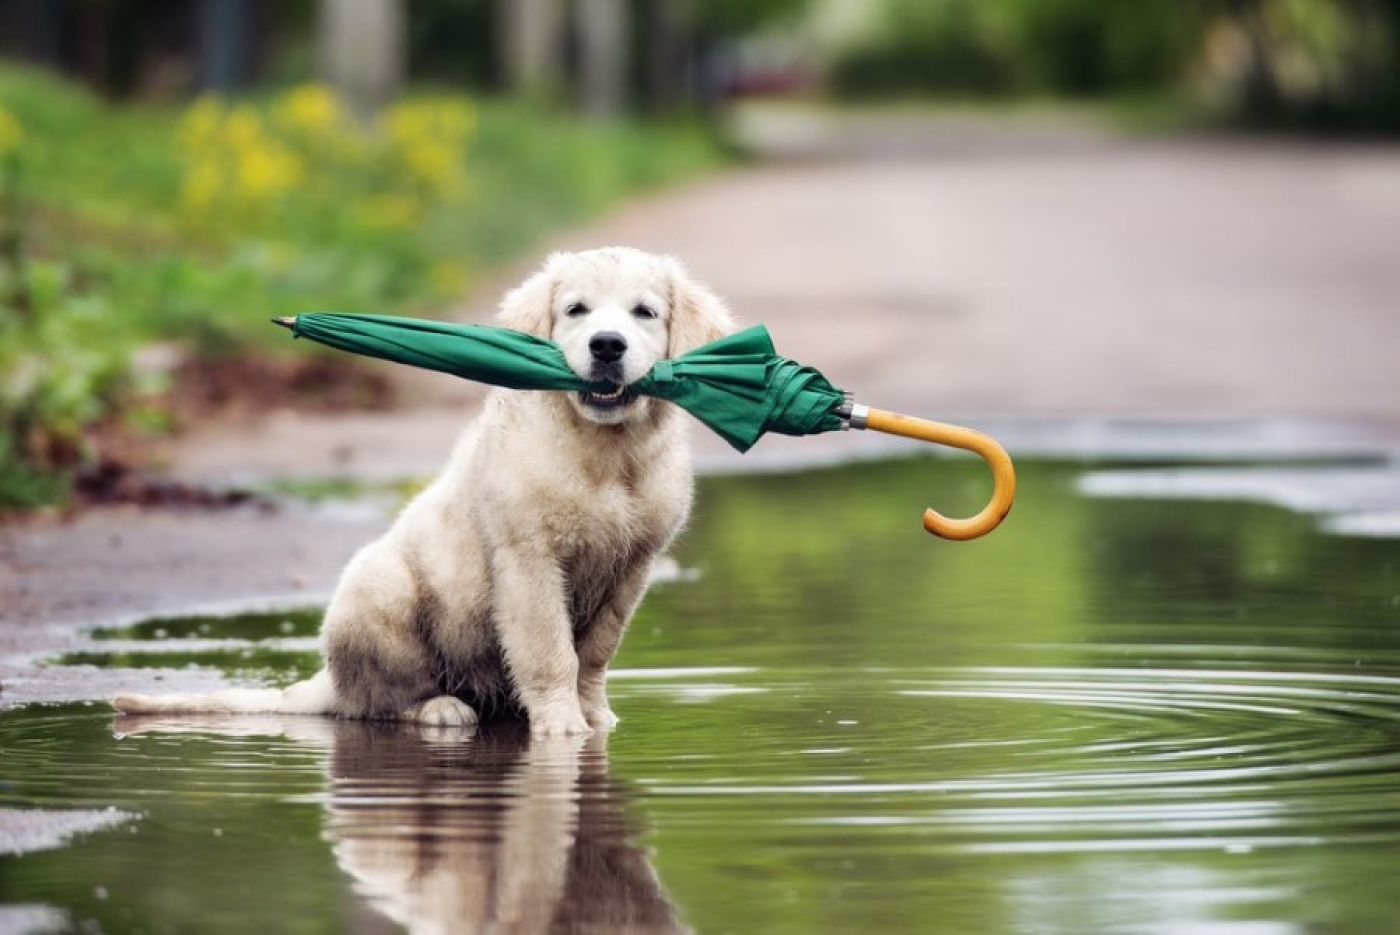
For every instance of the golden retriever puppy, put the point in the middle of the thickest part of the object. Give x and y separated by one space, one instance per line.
506 585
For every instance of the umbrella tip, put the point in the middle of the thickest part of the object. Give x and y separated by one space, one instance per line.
286 321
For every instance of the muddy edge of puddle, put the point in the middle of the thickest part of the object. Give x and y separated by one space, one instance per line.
62 577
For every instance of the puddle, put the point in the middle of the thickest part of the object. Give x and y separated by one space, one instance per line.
275 648
1351 499
1113 715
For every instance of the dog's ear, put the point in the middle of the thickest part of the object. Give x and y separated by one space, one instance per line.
698 316
528 307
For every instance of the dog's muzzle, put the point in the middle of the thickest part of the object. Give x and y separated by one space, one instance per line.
607 349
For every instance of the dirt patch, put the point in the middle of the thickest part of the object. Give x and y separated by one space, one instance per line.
252 384
112 480
234 390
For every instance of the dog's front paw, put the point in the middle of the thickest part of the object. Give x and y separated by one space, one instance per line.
599 717
558 721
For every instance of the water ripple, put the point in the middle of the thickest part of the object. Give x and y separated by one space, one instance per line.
1032 760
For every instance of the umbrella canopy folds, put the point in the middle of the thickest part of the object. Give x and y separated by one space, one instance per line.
739 386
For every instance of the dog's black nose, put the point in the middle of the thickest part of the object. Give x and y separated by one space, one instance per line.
607 346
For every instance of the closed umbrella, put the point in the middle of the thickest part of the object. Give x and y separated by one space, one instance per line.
739 386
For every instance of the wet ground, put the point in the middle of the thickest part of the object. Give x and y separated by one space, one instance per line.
1135 708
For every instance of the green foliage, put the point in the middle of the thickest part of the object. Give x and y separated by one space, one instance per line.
949 48
1314 63
197 224
736 17
1077 47
63 367
1093 47
1319 64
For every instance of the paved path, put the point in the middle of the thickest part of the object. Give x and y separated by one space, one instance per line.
1106 277
1031 281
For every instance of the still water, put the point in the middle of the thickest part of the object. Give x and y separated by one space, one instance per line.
1112 715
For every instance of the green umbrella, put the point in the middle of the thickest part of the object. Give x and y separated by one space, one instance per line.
738 386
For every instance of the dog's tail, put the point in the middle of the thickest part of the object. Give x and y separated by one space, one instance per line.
314 696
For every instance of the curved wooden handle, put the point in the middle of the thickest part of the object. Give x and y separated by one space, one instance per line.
984 446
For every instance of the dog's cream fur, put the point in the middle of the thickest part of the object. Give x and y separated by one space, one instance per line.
507 584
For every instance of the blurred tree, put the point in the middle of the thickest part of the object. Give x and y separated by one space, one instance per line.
32 29
225 41
531 39
603 29
455 42
609 51
361 45
664 51
153 48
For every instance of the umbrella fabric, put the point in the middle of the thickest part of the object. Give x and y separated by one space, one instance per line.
738 385
741 388
497 356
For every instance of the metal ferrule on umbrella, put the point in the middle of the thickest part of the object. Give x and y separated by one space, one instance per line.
857 416
739 386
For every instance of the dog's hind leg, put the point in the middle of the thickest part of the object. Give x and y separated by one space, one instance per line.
376 636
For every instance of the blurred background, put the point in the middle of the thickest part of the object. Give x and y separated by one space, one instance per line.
174 172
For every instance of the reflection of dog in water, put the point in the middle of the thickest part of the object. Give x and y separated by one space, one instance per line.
449 830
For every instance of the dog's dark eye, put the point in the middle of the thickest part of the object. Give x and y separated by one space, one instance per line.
578 309
643 311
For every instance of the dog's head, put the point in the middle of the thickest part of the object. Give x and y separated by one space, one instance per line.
615 312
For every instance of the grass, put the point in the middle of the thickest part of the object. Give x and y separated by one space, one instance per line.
128 225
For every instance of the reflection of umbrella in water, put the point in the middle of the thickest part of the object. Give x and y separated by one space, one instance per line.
738 386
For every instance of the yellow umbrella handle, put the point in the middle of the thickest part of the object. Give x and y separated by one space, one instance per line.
941 433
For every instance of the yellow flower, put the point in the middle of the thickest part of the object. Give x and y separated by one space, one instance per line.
310 108
241 129
11 135
267 170
429 139
431 162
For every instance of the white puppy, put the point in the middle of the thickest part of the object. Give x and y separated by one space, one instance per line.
506 585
